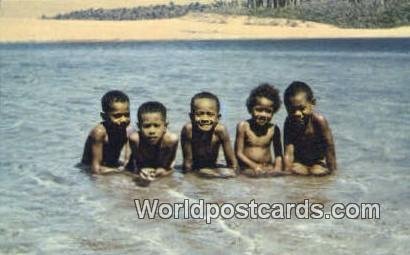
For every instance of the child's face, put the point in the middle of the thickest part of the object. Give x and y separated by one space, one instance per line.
119 115
205 116
300 109
262 111
152 127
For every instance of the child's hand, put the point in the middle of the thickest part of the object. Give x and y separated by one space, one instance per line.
268 168
109 170
160 172
258 171
147 174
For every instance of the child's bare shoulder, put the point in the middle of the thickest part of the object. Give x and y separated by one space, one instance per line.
134 137
319 119
221 130
187 127
187 130
318 116
98 133
170 139
243 125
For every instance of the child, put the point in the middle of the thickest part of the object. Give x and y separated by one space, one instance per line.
309 147
255 136
202 137
106 140
153 147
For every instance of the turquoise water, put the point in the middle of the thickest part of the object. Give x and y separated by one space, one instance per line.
49 100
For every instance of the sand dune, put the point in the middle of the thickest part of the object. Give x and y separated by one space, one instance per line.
20 22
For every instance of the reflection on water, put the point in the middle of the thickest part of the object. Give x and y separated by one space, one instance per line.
50 100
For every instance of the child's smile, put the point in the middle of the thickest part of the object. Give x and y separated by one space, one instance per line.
300 109
205 115
119 115
262 112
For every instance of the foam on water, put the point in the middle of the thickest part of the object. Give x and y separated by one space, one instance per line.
250 243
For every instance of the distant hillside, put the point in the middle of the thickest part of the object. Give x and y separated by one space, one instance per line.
342 13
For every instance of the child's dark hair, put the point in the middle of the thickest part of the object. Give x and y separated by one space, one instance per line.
112 97
152 107
207 95
264 90
298 87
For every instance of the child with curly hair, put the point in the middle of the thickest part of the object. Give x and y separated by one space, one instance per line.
255 136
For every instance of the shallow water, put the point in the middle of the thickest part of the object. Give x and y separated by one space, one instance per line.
50 100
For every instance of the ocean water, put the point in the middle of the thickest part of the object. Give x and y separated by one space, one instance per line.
49 100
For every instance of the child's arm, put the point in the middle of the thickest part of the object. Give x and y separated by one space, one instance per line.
162 172
133 145
240 145
277 148
229 154
168 160
330 146
289 147
186 144
126 155
97 142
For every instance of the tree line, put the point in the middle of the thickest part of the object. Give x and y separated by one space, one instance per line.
137 13
342 13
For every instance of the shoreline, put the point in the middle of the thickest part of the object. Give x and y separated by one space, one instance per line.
143 41
192 27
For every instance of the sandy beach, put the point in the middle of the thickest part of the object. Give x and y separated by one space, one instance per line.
20 21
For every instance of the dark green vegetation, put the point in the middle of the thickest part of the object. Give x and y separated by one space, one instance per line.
342 13
142 12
